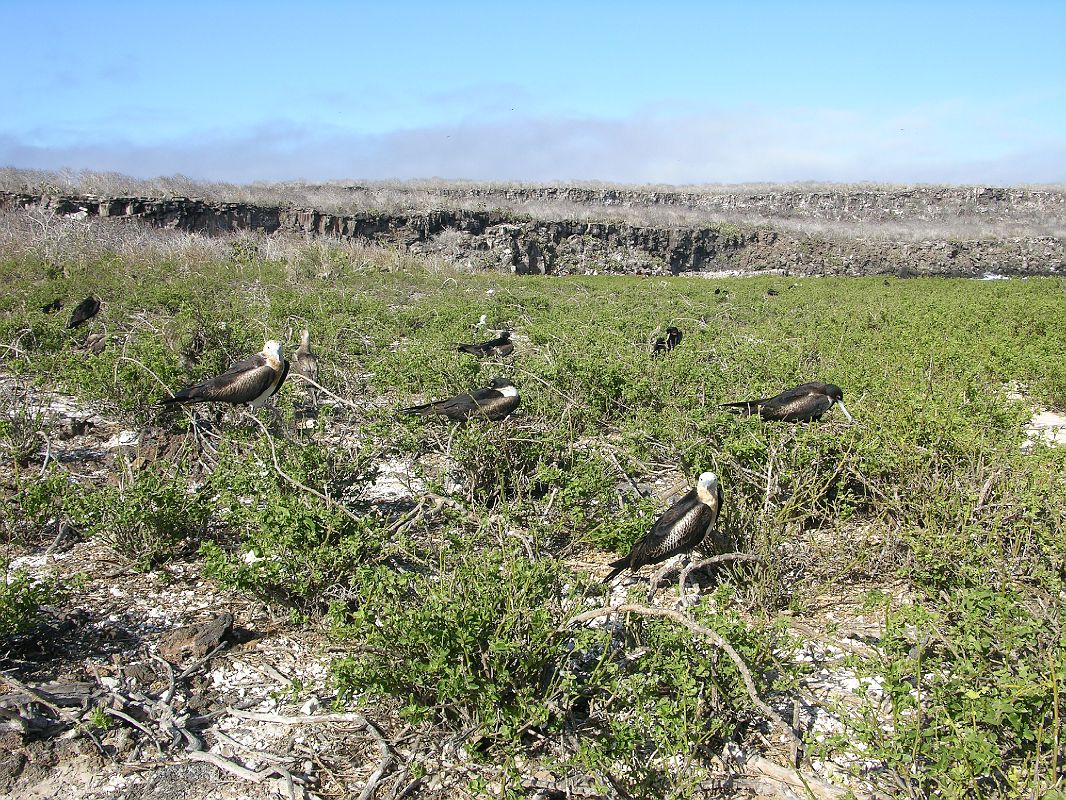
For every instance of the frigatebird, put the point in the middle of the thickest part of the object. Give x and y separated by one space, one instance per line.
85 311
804 403
494 402
680 528
253 381
305 363
499 347
665 345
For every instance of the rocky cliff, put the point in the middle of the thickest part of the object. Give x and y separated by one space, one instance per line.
497 239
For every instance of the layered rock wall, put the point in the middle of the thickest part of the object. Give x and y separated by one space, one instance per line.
500 240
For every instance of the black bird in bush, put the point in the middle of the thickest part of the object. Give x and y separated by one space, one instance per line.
253 381
85 311
665 345
53 307
680 528
498 348
495 401
804 403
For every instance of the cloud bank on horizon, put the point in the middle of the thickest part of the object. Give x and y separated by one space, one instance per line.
965 93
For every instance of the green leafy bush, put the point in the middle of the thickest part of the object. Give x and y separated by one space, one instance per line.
21 599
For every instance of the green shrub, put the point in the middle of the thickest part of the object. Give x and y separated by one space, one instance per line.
21 599
148 520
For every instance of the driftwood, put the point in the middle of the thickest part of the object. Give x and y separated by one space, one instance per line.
195 641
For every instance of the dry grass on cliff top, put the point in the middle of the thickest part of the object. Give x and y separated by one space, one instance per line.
926 520
954 219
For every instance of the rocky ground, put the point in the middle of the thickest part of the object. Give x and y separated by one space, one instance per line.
205 693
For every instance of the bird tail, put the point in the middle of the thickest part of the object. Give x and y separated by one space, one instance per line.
744 407
472 349
181 398
422 409
620 566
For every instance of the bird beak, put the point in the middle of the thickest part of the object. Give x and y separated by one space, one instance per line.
846 414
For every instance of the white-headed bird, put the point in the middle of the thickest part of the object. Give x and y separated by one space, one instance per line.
252 381
681 527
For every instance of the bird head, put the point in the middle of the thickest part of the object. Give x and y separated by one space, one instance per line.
305 338
707 488
503 386
273 349
505 334
836 394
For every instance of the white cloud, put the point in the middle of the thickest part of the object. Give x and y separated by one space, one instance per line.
945 144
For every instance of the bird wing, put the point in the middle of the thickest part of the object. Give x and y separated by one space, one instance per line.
241 383
681 526
488 402
86 310
238 367
797 408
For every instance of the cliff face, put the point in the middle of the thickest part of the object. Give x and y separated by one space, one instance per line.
498 240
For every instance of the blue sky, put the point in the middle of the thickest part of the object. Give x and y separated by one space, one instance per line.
665 92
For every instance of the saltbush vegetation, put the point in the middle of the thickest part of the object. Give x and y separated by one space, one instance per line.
452 606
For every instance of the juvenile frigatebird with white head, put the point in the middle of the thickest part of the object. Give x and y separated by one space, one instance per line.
681 527
804 403
252 381
494 402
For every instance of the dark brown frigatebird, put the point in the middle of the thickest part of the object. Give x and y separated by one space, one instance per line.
665 345
84 312
494 402
253 381
680 528
804 403
498 348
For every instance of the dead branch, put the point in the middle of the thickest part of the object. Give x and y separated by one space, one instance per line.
716 639
723 558
326 391
352 717
294 785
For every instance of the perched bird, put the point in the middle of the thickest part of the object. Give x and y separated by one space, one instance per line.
680 528
495 401
665 345
253 381
85 311
498 347
306 363
804 403
53 307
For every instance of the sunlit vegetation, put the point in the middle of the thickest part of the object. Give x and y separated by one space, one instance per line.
452 609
